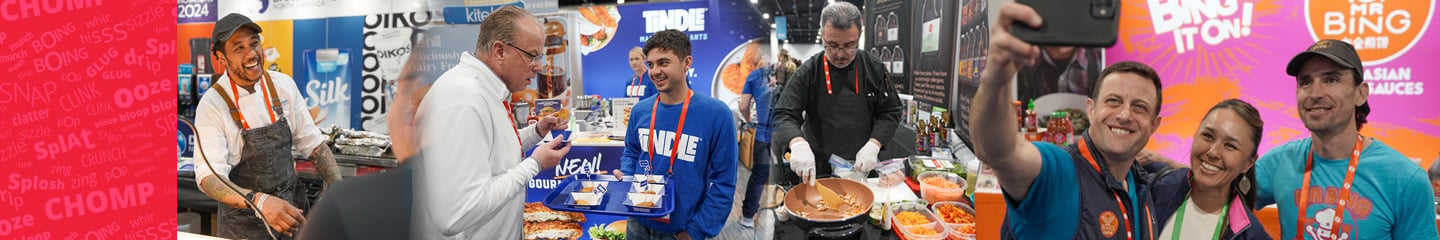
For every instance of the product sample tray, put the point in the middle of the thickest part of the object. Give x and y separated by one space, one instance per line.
614 199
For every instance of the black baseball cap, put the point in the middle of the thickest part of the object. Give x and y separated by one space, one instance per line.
1339 51
227 26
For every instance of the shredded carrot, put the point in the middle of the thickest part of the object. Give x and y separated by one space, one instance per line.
966 229
952 214
940 182
922 231
911 218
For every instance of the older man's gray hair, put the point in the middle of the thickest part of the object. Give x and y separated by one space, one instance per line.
500 26
840 15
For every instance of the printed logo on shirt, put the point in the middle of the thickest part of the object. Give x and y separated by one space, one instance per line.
664 138
1108 223
1321 224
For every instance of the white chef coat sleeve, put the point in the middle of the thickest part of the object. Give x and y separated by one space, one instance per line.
214 137
463 188
529 137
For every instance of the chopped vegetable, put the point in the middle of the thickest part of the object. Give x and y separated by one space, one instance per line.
909 218
952 214
922 231
940 182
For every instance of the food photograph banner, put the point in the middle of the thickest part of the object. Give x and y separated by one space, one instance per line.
1207 51
720 51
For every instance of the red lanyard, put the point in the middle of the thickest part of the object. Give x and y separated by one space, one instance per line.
1302 202
827 77
510 112
674 148
1085 152
261 89
632 89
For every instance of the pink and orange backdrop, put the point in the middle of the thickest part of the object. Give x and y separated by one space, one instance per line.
1207 51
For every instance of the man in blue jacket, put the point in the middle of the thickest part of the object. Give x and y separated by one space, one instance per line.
704 143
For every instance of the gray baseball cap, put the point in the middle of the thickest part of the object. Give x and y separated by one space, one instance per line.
227 26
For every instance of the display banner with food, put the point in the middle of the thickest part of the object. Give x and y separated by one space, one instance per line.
545 223
1207 51
719 51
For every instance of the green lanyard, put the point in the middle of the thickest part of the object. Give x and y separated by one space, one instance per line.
1180 220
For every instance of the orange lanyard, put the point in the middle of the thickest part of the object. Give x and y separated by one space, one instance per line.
268 107
510 112
674 148
1085 152
1302 202
827 77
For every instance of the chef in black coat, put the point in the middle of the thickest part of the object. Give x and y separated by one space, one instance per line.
838 102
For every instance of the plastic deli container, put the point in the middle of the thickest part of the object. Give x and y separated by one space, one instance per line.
911 232
937 193
957 230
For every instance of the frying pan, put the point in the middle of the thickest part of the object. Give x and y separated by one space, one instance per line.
805 199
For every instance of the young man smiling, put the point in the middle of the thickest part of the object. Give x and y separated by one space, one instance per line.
662 131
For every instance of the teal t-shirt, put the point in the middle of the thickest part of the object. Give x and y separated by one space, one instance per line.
1390 198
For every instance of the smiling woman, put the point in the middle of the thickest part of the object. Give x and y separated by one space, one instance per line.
1222 156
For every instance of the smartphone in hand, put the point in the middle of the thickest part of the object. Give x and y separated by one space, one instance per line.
1083 23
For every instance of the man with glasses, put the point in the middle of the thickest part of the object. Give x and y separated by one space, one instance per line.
843 97
472 185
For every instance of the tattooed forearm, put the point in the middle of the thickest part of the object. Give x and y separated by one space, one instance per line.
324 160
218 190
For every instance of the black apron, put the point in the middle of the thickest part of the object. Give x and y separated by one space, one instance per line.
844 120
266 165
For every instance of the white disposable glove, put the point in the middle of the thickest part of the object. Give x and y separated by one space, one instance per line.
865 159
802 160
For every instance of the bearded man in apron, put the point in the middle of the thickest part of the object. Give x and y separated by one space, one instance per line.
247 124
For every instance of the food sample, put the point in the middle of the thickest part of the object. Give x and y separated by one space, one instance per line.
649 192
952 214
581 202
537 212
922 231
940 182
911 218
552 230
941 190
965 228
646 204
587 189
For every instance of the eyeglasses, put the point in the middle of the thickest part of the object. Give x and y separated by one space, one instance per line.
849 48
534 58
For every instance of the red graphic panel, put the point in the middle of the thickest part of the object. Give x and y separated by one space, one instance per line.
87 119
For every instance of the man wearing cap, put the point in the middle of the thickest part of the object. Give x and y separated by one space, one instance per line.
1337 184
246 129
